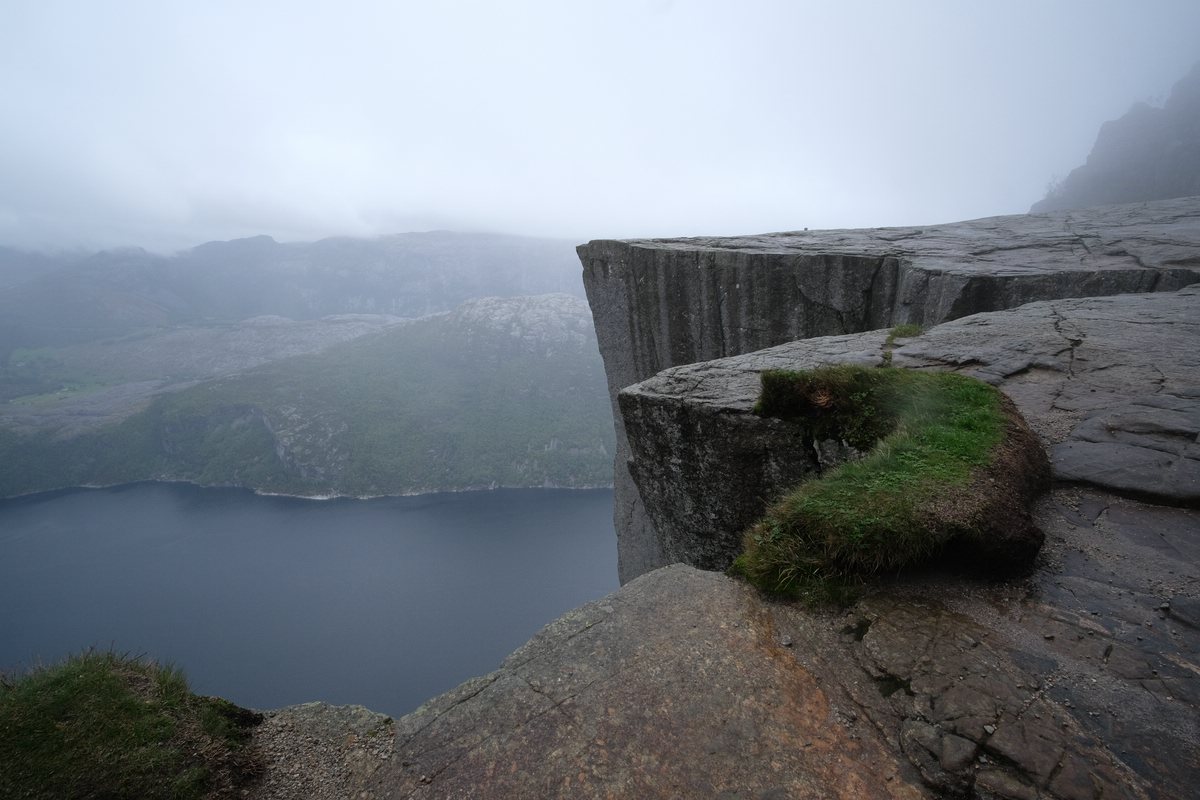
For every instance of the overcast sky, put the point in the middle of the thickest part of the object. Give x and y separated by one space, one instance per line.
165 124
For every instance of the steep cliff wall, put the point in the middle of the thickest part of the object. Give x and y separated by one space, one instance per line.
662 303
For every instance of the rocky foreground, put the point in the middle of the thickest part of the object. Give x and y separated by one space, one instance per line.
1080 680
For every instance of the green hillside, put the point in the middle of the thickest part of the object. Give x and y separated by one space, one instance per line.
497 393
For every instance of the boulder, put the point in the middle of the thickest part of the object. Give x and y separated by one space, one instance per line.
677 686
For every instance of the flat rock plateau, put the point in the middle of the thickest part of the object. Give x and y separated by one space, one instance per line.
660 303
1080 679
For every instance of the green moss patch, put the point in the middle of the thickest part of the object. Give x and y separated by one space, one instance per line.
905 331
947 461
103 725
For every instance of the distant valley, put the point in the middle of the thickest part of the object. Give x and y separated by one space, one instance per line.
161 379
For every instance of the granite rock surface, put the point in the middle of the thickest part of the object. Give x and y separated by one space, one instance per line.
1111 386
666 302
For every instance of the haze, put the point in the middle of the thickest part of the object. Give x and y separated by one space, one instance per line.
167 124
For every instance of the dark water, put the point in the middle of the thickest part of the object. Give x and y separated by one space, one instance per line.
270 600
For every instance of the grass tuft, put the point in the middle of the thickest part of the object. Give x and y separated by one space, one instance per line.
925 434
102 725
905 331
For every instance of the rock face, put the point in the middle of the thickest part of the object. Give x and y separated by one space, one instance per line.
1080 680
676 686
662 303
1147 154
1120 409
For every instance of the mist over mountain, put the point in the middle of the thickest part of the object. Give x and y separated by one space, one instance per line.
413 362
499 392
1148 154
61 299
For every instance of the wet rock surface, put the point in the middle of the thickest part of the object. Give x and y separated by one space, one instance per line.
1110 385
1074 682
662 303
1080 680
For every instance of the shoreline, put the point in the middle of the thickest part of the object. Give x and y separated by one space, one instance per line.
315 497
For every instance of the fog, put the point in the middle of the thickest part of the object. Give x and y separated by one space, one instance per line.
168 124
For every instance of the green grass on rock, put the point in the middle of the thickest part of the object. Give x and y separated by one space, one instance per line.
924 436
101 725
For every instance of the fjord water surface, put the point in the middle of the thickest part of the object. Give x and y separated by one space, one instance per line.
269 601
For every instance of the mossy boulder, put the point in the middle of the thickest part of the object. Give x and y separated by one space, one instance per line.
949 468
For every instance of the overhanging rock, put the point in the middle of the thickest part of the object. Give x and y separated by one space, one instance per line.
662 303
1111 385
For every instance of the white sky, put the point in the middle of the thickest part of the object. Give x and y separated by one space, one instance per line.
167 123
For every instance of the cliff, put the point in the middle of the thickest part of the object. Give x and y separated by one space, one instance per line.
661 303
1147 154
1078 680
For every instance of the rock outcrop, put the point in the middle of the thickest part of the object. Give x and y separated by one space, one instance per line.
1080 680
1111 385
662 303
676 686
1147 154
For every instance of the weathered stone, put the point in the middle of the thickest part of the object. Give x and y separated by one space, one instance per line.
661 303
679 685
1083 662
1149 446
956 753
959 659
1069 365
675 686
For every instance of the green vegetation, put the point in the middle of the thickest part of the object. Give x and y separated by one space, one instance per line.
927 435
905 331
106 726
440 403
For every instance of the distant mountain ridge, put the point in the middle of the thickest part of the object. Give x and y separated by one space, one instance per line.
1147 154
54 300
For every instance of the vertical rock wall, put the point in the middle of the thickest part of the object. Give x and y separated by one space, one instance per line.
662 303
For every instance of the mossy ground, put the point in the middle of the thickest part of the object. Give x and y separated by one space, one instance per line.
928 437
100 725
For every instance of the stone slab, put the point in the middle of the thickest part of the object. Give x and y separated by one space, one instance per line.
659 303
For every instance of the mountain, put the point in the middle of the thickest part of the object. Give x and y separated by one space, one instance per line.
56 300
498 392
1148 154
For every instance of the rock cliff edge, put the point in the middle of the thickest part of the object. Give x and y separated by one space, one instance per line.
1078 680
